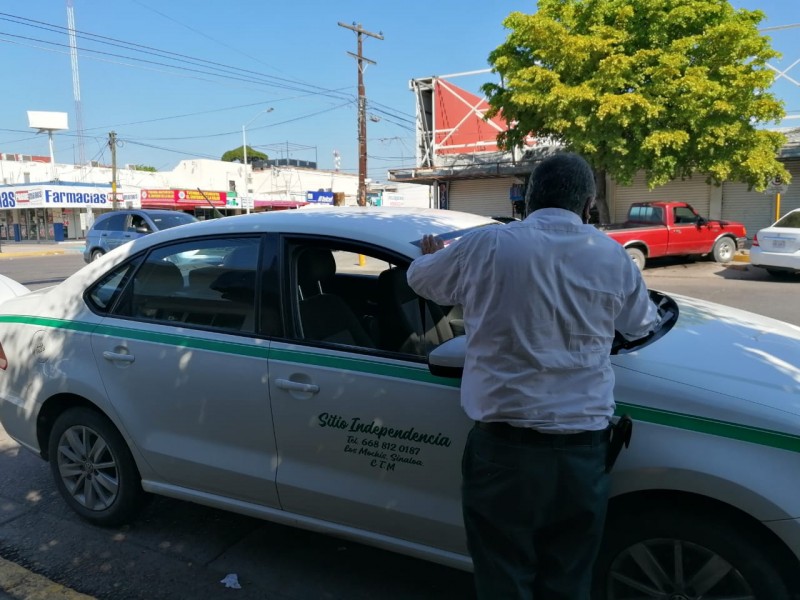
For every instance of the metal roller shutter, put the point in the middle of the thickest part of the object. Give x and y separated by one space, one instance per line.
754 209
791 199
487 197
694 191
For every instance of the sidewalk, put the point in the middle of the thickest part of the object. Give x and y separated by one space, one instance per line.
33 248
18 583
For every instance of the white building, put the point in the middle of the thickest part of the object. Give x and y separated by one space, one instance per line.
34 206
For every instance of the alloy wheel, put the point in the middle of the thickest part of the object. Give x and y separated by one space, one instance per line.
669 569
88 468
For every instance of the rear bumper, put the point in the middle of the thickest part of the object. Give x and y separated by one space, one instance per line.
777 260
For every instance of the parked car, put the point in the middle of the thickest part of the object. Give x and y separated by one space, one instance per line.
287 371
655 229
777 248
118 227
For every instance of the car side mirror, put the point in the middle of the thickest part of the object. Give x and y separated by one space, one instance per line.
447 359
701 221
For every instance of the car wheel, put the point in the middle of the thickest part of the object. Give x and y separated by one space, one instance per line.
689 556
96 253
93 468
724 250
637 256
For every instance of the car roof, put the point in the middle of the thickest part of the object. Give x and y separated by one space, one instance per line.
395 228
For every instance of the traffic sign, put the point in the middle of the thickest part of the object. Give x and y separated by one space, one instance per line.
777 186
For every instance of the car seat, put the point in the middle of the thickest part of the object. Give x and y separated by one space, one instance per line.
325 317
401 316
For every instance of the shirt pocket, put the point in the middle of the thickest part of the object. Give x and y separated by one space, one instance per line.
588 339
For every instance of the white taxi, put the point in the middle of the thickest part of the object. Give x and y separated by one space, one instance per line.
279 366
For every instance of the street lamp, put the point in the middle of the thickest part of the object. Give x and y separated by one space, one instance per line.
244 151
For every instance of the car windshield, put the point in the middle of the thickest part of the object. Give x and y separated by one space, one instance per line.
172 220
791 220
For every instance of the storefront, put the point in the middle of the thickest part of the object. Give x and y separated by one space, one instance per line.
54 212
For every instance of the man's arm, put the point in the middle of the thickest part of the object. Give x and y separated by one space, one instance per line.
434 275
639 315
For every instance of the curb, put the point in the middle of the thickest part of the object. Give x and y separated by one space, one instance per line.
9 255
741 258
18 583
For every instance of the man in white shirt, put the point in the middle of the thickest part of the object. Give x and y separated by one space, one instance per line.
542 299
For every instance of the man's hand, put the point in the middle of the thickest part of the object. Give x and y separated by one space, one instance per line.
430 244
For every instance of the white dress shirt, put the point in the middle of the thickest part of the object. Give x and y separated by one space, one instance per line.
541 300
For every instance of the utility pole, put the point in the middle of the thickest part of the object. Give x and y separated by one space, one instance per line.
362 108
112 143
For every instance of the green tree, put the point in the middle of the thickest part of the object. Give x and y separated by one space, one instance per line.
144 168
238 154
671 87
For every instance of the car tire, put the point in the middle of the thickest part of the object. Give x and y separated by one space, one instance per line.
724 250
93 468
96 253
689 555
637 256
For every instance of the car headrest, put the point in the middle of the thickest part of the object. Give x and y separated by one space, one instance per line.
314 265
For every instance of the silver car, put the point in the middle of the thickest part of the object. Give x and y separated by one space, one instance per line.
278 365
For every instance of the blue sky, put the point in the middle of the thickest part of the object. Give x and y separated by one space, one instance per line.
288 56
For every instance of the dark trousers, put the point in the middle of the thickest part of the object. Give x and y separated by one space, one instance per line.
534 507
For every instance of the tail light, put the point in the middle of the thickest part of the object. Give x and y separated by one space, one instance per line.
755 240
3 359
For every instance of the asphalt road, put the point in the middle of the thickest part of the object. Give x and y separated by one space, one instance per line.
179 550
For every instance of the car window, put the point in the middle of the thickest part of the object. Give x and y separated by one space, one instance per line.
138 221
199 283
114 222
790 220
345 296
646 214
684 215
165 221
102 295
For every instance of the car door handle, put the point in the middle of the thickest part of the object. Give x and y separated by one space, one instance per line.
296 386
108 355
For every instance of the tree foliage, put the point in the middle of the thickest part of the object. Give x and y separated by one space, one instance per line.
238 154
147 168
671 87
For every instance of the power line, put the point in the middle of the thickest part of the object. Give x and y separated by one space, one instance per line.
225 71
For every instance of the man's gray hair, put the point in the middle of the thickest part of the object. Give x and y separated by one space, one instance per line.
564 180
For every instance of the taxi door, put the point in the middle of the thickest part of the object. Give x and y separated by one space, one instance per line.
366 438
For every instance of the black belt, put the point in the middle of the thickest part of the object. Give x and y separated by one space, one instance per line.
526 435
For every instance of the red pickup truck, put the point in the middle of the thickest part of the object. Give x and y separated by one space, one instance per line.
655 229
